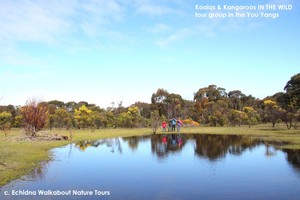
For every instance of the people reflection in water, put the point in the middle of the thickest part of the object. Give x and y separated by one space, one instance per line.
176 140
162 145
173 139
164 139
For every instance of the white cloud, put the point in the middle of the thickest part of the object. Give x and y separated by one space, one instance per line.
32 21
159 28
207 30
154 10
48 21
64 24
175 37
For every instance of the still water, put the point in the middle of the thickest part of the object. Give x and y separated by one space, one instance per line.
164 167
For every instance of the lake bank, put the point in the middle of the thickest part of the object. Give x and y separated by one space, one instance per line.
20 157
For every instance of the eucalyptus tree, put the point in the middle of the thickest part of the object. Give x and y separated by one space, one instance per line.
235 97
292 88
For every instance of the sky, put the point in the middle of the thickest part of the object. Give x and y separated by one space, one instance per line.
104 51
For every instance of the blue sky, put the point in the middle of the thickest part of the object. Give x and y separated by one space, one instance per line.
104 51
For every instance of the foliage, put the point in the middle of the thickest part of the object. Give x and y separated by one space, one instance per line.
237 117
5 120
252 116
18 121
34 116
168 104
83 117
211 106
292 88
60 118
271 112
129 119
190 123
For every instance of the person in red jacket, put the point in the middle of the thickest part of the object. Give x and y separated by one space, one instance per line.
164 126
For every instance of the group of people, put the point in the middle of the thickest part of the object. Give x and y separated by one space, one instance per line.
172 125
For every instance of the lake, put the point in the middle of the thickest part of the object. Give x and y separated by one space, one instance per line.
173 166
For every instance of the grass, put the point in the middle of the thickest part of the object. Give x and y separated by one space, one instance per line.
18 158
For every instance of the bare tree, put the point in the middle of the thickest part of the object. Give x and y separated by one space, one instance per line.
35 115
155 119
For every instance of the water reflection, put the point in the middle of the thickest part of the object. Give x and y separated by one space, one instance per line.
211 147
215 147
293 156
162 145
170 166
113 143
39 172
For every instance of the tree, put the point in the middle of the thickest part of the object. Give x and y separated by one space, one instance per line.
211 104
292 98
271 111
292 88
252 116
109 120
212 93
235 97
237 117
145 109
34 116
167 104
56 103
61 118
286 113
158 101
5 121
71 106
134 116
189 110
155 120
83 117
174 104
124 120
18 121
97 118
129 119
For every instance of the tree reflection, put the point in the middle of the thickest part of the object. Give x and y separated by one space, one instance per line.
211 147
39 172
270 151
215 147
133 142
113 143
293 157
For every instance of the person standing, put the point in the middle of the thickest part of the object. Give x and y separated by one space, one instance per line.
164 126
179 124
173 124
170 125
